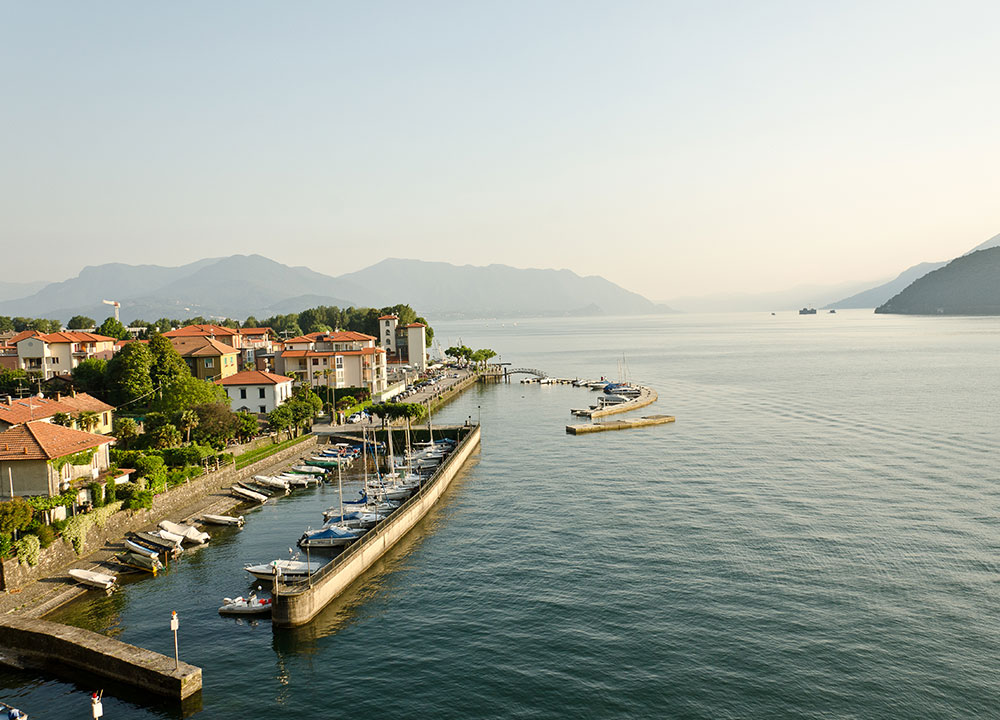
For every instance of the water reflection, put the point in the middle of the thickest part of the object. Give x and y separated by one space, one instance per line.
376 583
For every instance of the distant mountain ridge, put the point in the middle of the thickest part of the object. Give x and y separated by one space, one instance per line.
968 285
877 296
243 285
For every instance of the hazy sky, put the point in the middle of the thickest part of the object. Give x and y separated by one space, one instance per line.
676 148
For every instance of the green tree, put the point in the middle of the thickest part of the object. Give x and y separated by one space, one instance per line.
168 365
164 436
125 430
6 324
246 426
281 419
15 515
87 420
63 419
187 420
250 322
216 424
113 328
44 326
13 382
129 374
165 325
80 322
90 376
185 392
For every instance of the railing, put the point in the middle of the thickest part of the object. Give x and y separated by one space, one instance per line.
300 586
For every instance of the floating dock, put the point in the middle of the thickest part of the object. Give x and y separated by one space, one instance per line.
297 603
56 648
585 428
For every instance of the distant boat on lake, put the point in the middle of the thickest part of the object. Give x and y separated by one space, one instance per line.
807 311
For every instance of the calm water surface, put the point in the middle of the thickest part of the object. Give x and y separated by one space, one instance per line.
815 537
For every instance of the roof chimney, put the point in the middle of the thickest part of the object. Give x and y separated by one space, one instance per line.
58 396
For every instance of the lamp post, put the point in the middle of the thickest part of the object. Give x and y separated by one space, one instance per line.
174 624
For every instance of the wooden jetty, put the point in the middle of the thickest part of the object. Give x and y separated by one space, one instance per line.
585 428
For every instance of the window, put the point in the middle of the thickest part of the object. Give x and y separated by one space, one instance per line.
106 419
340 361
209 362
263 409
315 361
261 391
243 393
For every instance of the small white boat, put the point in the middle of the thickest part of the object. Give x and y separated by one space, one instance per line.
223 520
252 605
94 579
243 493
12 713
272 482
287 569
187 532
308 469
134 547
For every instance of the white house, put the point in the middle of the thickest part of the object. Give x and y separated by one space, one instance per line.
58 353
336 360
256 391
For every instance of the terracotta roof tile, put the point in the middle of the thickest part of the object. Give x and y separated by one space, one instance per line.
40 440
253 377
200 346
33 408
199 331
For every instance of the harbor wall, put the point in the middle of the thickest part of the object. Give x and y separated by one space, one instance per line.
55 648
60 554
299 603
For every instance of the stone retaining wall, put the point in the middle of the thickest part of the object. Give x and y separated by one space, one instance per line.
165 505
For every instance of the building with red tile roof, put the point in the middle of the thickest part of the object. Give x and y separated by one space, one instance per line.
24 410
222 334
58 353
256 391
207 358
39 458
335 359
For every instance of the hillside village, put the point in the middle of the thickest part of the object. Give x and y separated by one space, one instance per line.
95 417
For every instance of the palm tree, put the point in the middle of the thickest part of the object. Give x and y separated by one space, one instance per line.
187 420
64 419
87 420
329 398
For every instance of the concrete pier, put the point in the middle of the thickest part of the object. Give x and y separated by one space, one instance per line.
585 428
297 604
55 648
647 396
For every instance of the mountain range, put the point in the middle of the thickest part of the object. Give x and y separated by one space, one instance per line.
968 285
243 285
880 295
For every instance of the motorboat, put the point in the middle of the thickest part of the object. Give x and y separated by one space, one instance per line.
300 481
290 570
93 579
308 469
271 482
139 549
223 520
158 539
252 605
140 562
188 533
244 494
330 535
353 519
256 487
12 713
